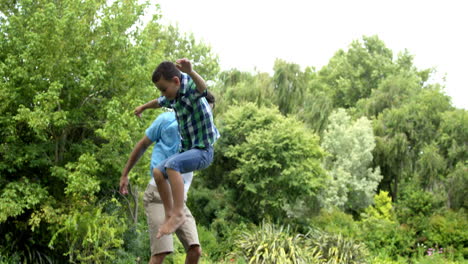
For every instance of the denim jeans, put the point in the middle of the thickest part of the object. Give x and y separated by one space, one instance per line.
187 161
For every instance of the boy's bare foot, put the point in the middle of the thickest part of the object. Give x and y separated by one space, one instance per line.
171 225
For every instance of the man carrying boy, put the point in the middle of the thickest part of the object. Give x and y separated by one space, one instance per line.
185 93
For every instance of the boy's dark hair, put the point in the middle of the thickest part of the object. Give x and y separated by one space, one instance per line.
166 69
210 98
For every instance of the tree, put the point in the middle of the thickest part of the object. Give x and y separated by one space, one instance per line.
265 162
290 86
353 182
353 74
403 132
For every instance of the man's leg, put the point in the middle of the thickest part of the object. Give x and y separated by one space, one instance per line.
158 258
188 235
164 192
177 216
154 211
193 255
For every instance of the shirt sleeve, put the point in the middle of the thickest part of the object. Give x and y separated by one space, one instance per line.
162 101
194 93
154 131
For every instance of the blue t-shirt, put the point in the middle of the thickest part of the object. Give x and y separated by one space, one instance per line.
164 132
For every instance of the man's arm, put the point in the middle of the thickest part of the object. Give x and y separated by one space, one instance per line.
151 104
136 154
184 65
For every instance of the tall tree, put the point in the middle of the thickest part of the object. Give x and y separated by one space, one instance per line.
353 182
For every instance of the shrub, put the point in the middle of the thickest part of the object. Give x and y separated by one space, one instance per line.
335 248
92 236
271 244
388 237
449 230
336 222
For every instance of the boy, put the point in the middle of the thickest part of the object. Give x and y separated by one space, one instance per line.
185 93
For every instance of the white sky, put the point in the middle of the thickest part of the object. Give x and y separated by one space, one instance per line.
251 34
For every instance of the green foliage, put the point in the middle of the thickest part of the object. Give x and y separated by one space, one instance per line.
353 181
416 204
31 195
388 237
235 87
403 134
74 71
92 236
271 244
457 186
353 74
336 222
392 92
289 83
335 248
382 208
449 231
265 161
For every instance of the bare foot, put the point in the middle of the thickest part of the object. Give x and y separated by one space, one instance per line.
170 226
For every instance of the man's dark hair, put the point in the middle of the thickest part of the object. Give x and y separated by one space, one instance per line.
210 98
167 70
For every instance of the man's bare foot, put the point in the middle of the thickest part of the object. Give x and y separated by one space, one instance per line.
170 226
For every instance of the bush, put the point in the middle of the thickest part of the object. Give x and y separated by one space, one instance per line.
335 248
415 205
271 244
336 222
390 238
449 230
92 236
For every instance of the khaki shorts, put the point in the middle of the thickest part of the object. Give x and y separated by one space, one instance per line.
155 215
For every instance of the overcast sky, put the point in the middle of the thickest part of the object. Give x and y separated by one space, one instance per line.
251 34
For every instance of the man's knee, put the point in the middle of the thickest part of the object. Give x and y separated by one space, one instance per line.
195 251
158 258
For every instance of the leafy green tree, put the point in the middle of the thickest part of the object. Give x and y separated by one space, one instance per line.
392 92
353 74
264 161
290 86
353 182
403 133
235 87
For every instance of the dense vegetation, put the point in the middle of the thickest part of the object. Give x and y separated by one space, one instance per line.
361 161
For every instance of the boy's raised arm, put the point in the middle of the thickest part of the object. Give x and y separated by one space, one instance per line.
184 65
151 104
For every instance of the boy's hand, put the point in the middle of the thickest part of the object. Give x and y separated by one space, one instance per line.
184 65
138 110
123 185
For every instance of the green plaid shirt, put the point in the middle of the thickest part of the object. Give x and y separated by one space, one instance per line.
194 116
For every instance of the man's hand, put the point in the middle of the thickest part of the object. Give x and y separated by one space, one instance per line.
124 185
184 65
138 110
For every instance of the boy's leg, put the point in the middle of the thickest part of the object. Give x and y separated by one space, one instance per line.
191 160
177 216
164 192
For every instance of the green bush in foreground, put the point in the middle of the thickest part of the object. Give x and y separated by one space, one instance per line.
272 244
